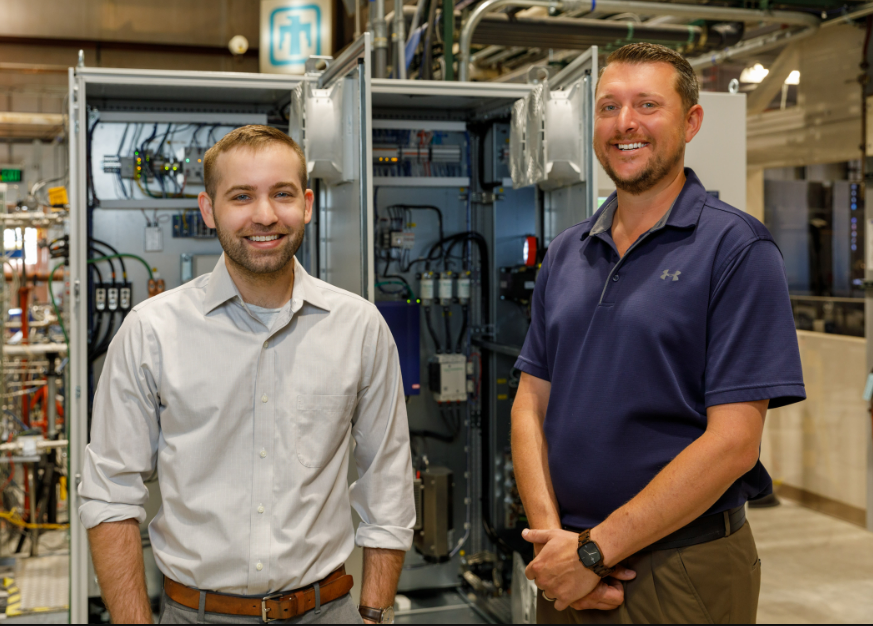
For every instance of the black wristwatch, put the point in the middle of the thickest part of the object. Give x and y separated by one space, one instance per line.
591 556
380 616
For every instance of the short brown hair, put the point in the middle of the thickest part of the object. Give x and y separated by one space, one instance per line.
638 53
254 136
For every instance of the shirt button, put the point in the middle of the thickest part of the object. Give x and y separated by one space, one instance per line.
259 566
266 344
260 508
615 278
264 398
263 454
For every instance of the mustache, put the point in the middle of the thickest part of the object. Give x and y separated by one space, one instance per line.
630 140
265 233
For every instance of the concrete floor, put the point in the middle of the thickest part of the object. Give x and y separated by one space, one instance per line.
815 568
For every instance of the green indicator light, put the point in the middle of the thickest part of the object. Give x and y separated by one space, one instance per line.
409 302
418 301
187 160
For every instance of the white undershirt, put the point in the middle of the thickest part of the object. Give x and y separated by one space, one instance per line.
267 316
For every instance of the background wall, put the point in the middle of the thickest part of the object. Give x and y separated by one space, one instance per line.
816 451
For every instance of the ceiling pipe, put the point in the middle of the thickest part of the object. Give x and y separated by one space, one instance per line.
865 10
689 11
755 45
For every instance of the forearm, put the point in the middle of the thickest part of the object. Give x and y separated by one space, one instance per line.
684 490
116 549
381 573
530 462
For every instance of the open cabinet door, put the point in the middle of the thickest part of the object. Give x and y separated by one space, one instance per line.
331 118
551 144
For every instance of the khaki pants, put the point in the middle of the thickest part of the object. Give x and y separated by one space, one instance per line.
716 582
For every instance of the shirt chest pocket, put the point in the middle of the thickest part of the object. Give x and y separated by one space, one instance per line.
322 423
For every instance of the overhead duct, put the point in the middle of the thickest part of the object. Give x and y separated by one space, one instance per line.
690 11
563 33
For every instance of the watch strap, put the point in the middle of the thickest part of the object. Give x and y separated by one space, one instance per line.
598 568
374 615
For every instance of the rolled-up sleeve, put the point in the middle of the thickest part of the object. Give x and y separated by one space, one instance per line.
124 430
382 495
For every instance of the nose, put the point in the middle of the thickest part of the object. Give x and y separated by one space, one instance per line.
264 213
627 120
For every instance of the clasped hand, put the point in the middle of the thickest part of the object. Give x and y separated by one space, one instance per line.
559 573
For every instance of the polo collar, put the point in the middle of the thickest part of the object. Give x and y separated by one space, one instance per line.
221 288
683 214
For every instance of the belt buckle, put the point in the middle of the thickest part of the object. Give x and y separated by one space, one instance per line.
265 610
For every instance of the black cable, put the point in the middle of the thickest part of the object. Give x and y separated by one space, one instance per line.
447 320
433 335
429 434
93 200
465 311
113 250
111 263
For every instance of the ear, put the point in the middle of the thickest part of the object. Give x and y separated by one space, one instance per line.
693 122
309 197
206 209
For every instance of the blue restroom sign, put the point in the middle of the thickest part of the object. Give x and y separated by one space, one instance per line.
292 31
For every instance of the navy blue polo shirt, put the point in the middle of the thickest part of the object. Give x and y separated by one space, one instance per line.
696 314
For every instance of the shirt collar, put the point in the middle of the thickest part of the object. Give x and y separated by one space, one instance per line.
221 288
684 213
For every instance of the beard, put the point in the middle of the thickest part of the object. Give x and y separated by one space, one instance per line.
656 169
264 263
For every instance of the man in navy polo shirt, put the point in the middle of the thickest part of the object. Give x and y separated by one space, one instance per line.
661 332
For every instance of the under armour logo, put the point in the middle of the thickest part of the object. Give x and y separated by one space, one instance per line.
674 276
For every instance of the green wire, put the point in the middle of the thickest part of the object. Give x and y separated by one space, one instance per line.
129 256
97 260
398 282
55 304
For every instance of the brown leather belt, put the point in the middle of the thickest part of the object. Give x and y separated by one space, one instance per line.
282 605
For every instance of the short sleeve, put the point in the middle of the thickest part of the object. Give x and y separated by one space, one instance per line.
752 352
533 359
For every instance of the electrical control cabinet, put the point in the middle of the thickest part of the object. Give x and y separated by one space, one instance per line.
137 143
416 210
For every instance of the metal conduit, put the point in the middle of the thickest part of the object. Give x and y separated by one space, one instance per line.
751 46
689 11
562 33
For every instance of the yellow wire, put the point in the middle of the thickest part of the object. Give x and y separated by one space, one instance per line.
13 518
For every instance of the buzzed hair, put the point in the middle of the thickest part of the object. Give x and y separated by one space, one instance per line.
639 53
255 137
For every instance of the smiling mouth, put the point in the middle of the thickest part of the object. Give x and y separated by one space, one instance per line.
631 147
264 238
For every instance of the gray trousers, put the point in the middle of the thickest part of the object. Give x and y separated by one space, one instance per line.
340 611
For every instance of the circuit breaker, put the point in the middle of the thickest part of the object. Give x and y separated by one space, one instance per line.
447 377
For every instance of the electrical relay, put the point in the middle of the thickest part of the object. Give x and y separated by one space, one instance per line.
447 377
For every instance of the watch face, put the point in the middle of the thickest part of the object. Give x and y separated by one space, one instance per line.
388 615
589 554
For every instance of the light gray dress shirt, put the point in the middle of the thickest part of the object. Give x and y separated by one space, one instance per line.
249 430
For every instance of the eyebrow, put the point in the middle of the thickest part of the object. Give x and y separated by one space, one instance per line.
251 188
644 94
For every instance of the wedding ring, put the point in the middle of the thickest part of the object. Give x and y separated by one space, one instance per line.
547 598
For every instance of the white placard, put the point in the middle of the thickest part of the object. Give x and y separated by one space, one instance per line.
292 31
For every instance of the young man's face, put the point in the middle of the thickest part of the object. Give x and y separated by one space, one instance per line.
260 208
640 124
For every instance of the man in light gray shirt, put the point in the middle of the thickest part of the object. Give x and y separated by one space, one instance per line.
241 388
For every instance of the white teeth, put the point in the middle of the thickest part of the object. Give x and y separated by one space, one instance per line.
630 146
264 238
